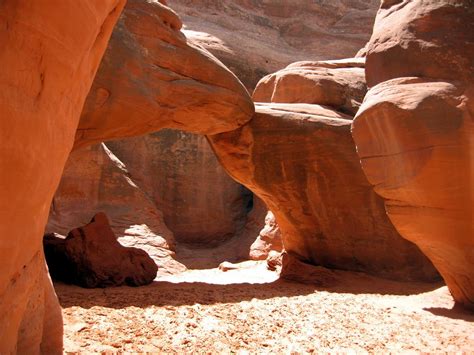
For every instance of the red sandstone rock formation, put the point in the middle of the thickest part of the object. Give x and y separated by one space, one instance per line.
162 89
415 129
292 268
179 172
338 83
301 160
152 78
50 53
171 171
255 38
94 179
269 239
90 256
51 65
201 203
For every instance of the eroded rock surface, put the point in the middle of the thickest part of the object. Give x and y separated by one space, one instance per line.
292 268
269 239
90 256
49 75
180 174
415 129
95 180
301 160
337 83
255 38
151 78
431 39
50 53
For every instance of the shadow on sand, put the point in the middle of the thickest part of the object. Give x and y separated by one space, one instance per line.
161 293
457 312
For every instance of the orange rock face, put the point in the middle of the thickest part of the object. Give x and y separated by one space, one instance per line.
255 38
179 172
338 83
407 33
166 186
415 129
95 180
301 160
53 51
152 78
269 239
90 256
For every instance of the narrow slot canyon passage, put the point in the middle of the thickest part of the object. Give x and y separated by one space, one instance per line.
198 299
190 313
235 176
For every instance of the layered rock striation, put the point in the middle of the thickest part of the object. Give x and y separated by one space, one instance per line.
255 38
179 172
152 78
301 160
415 129
50 53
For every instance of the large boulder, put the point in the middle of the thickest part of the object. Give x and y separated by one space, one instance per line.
414 130
90 256
301 160
94 179
50 53
152 78
423 38
255 38
336 83
268 240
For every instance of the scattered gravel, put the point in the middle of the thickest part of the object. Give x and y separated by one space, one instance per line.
198 312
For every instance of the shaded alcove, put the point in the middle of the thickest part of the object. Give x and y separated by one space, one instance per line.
179 172
165 193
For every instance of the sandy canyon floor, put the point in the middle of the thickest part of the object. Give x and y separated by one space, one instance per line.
249 310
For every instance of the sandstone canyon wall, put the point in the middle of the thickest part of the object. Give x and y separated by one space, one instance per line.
415 130
167 186
200 203
53 53
151 78
95 180
50 53
325 155
301 160
362 240
255 38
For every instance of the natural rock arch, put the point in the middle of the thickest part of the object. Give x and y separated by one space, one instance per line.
42 116
150 94
140 87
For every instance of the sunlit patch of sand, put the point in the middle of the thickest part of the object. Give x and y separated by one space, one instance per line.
252 272
248 310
